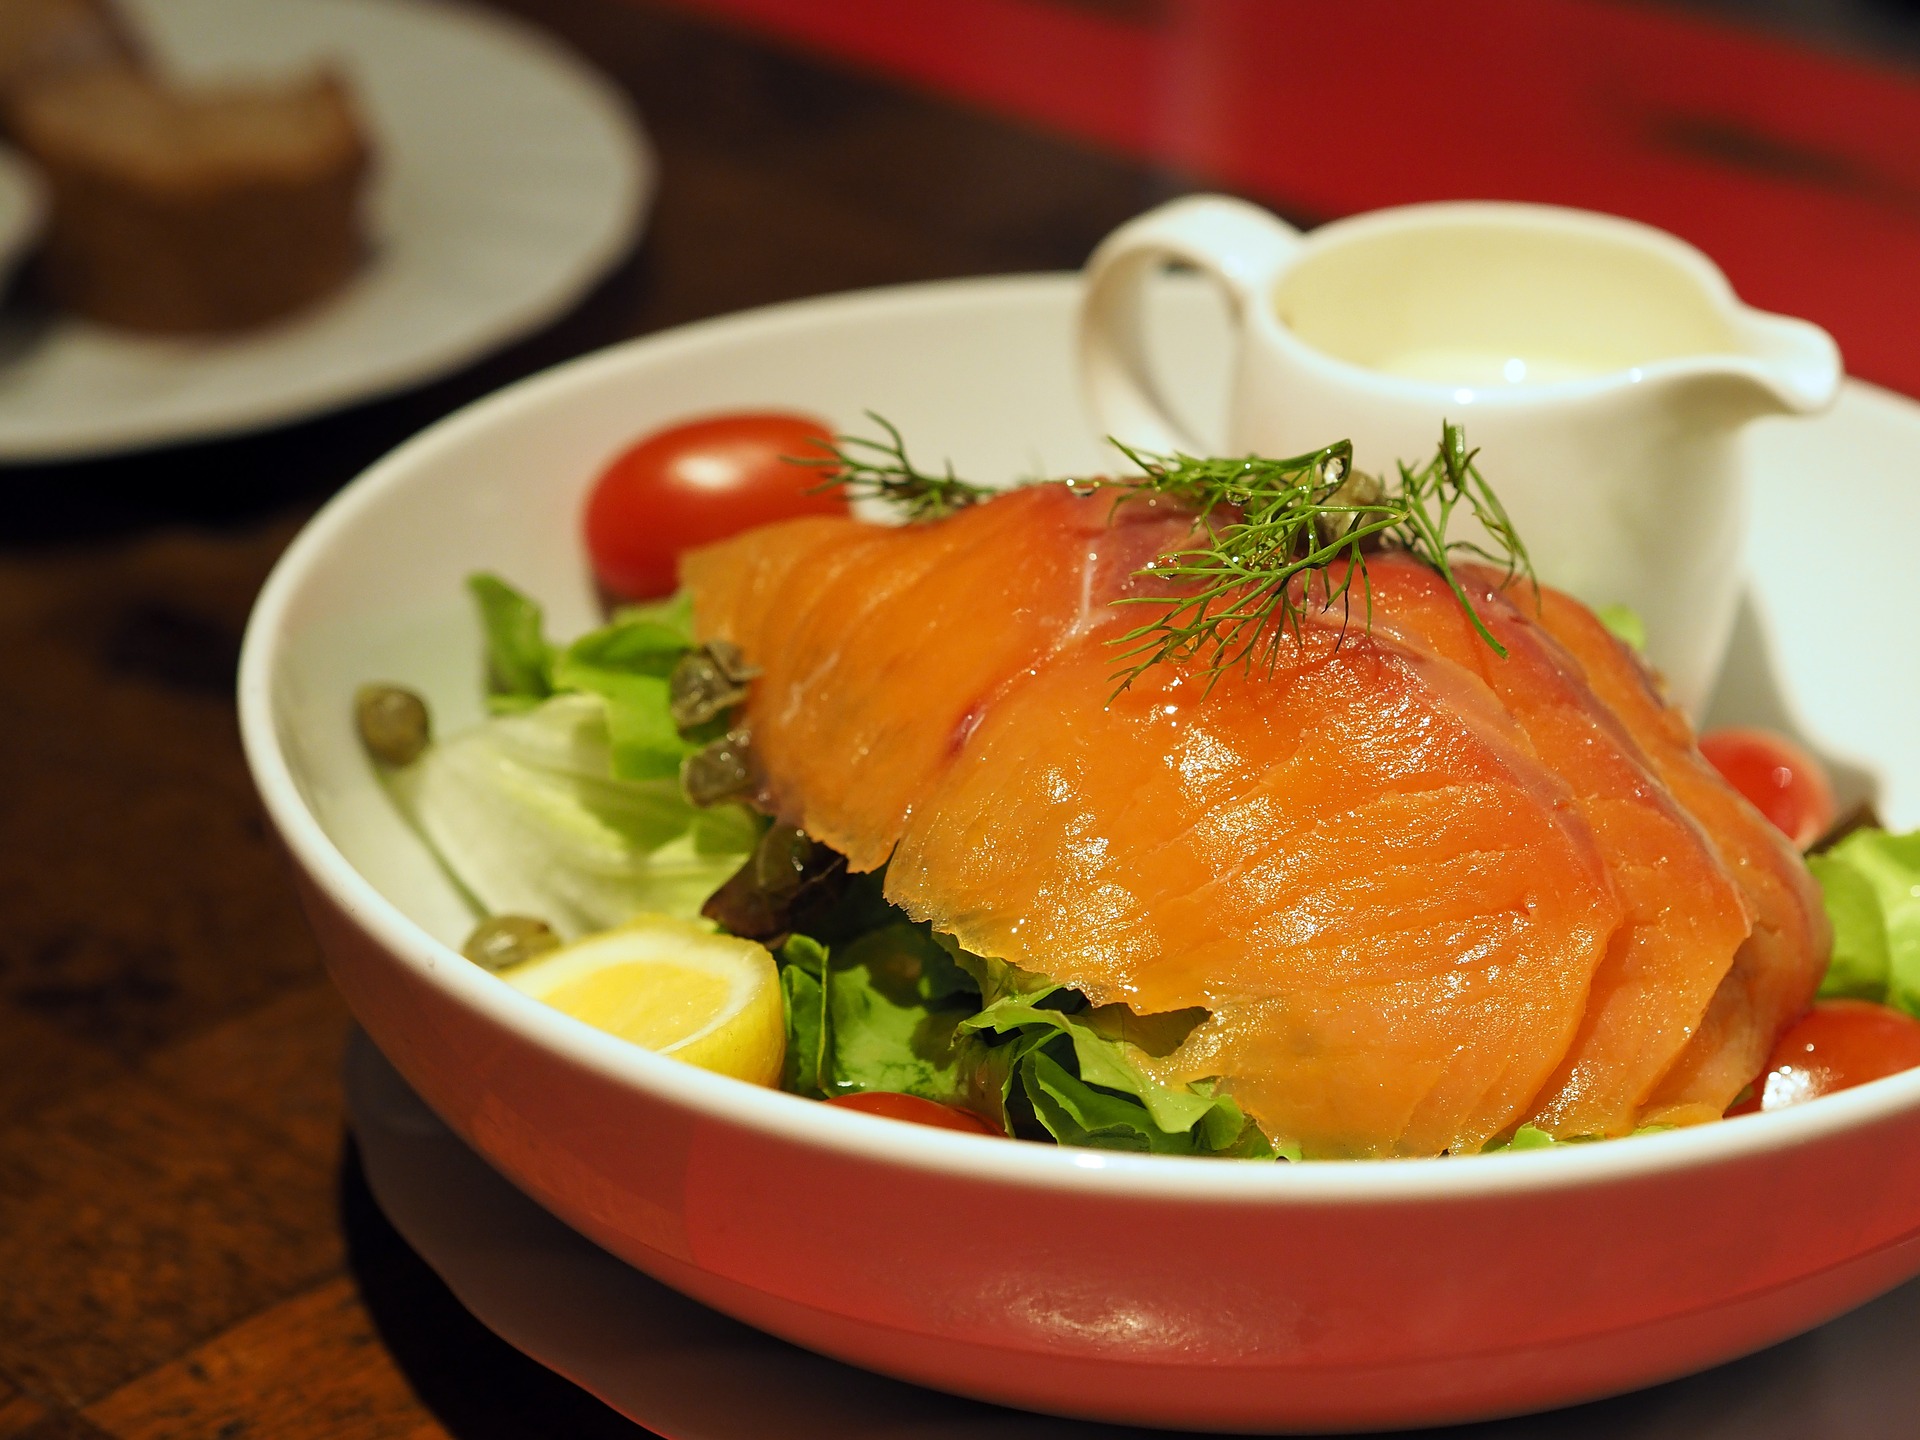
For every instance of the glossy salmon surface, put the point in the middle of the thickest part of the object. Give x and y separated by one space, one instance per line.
1424 893
881 646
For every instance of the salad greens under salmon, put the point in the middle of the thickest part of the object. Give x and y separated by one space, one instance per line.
568 806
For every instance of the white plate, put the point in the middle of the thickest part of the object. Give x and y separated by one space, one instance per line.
509 177
690 1373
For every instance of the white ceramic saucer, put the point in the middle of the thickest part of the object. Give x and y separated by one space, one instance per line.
690 1373
508 178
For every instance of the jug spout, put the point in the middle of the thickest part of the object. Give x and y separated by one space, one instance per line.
1787 367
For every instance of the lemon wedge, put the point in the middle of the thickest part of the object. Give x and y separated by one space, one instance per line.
673 987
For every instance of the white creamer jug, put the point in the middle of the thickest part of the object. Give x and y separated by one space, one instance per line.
1602 368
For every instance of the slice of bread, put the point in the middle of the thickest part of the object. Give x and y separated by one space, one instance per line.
43 39
181 209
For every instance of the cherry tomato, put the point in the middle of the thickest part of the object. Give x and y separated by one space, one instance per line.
1835 1046
1783 782
695 483
915 1109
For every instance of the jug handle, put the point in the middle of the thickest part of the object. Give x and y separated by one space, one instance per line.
1238 246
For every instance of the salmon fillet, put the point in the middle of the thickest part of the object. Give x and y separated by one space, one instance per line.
1391 909
1423 893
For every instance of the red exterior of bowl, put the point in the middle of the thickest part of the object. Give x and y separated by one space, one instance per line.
1106 1300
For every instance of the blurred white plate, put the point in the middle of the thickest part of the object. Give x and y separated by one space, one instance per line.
22 210
690 1373
509 177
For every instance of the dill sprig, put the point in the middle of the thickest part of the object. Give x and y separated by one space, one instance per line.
1274 534
880 468
1256 575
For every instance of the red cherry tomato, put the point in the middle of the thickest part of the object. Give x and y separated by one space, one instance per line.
696 483
1783 782
1835 1046
915 1109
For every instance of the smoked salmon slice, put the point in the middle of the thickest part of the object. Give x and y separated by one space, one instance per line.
1685 915
1423 893
880 645
1778 967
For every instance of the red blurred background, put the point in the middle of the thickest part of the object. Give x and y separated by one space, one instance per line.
1796 166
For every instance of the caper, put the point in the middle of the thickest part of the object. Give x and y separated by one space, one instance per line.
722 771
706 682
731 660
782 861
1357 489
393 723
502 941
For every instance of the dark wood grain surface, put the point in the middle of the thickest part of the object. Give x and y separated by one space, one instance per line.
186 1245
186 1248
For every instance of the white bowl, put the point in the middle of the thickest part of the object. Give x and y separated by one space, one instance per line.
1173 1292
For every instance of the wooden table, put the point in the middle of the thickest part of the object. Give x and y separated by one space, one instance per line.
186 1245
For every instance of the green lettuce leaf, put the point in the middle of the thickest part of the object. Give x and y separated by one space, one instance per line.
675 613
896 1007
1625 623
1532 1137
802 961
519 659
1045 1059
1870 882
626 662
893 1015
1860 966
1527 1137
878 1013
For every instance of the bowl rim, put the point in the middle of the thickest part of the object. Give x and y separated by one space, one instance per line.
781 1117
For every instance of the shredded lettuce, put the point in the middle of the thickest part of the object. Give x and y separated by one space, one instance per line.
567 806
1870 882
